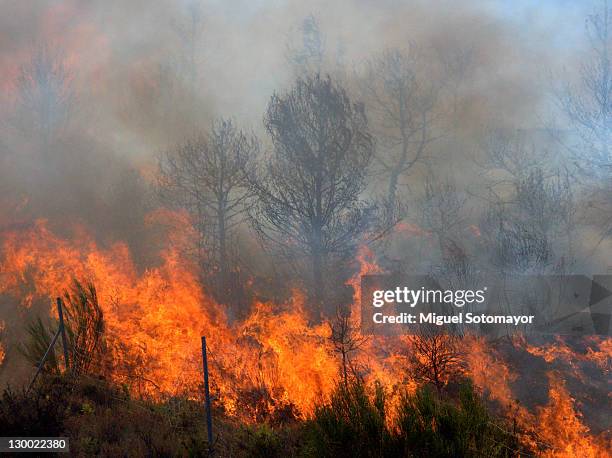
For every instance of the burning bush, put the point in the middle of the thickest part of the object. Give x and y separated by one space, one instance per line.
39 340
84 329
430 426
355 424
436 357
351 424
273 365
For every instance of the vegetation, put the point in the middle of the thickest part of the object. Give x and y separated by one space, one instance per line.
354 424
102 419
84 328
207 177
309 201
337 160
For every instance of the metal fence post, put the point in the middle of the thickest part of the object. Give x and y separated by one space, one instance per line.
44 358
60 312
207 397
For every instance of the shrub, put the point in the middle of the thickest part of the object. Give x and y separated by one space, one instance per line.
430 426
98 419
36 413
260 441
351 424
39 339
84 325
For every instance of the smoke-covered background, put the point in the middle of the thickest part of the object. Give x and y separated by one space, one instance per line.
230 169
498 172
95 93
144 77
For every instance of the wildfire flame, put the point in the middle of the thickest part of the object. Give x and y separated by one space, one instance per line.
274 359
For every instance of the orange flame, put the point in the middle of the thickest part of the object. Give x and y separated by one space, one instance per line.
560 425
270 361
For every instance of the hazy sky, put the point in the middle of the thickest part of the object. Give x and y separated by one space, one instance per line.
118 50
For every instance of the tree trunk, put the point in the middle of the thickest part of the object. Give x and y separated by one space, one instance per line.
401 163
393 179
318 286
223 264
317 246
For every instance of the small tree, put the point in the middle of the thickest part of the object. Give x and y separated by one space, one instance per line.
436 357
84 325
346 340
402 102
531 206
521 229
588 104
307 56
442 212
207 176
45 97
309 192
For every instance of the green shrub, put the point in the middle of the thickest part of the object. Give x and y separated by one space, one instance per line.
354 424
430 426
351 424
102 420
260 441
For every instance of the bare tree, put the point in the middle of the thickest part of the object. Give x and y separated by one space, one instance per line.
531 206
588 105
309 193
45 97
523 230
442 208
436 357
510 153
346 340
208 177
308 54
443 214
515 248
403 105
